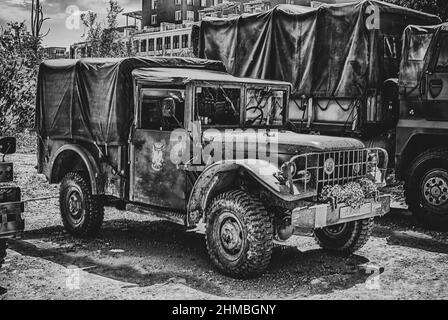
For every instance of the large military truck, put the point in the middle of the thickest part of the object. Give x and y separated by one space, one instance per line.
11 207
422 130
183 139
344 61
339 59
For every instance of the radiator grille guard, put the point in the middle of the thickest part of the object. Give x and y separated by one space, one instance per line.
307 174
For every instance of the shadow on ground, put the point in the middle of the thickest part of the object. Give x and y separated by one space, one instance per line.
158 252
400 228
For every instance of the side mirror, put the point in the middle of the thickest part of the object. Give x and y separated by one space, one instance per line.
168 107
8 145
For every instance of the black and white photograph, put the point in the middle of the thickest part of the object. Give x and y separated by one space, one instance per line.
242 153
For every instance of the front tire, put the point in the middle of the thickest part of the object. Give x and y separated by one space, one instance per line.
345 238
3 246
239 234
82 213
426 189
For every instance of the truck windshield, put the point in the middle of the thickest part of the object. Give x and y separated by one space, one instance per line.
216 105
264 107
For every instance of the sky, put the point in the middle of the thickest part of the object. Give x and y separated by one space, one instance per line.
64 24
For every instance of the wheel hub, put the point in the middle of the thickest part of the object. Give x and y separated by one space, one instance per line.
436 189
335 231
74 205
231 235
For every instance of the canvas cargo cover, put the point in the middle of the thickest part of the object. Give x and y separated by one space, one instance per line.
330 51
92 99
417 40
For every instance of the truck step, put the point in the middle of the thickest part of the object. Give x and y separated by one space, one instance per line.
167 214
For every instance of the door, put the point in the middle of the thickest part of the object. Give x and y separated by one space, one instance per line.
155 179
437 82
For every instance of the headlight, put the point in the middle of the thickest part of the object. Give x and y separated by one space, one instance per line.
329 166
376 165
292 168
373 159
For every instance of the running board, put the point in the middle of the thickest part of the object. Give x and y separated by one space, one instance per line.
170 215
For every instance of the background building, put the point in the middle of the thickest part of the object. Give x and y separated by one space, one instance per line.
55 53
164 27
167 40
155 12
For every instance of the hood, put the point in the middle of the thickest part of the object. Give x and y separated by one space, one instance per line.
287 142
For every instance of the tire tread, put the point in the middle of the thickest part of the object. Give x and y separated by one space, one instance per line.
260 232
360 234
95 209
411 191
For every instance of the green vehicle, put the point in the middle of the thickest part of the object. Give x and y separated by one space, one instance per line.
186 141
11 207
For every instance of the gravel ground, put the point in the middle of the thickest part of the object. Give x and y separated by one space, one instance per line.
141 257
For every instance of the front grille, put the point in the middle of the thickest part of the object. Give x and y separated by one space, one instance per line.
349 166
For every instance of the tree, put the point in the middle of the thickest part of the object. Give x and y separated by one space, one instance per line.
437 7
18 73
20 56
94 31
103 38
37 21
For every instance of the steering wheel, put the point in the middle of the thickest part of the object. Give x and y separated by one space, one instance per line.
259 117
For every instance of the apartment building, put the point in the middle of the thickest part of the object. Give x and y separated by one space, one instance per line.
155 12
164 27
167 40
55 53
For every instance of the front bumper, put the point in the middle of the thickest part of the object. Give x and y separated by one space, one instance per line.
325 215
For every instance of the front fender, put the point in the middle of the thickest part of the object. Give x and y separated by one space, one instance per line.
260 170
85 156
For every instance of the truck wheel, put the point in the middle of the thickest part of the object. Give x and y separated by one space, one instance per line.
345 238
426 189
82 213
239 234
3 247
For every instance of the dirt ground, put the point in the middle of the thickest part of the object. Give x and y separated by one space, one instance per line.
140 257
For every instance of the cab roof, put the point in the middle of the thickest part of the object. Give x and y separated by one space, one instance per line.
187 75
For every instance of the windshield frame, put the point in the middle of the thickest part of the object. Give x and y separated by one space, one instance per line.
244 87
285 89
224 85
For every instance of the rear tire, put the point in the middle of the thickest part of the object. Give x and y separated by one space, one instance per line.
3 246
426 189
345 238
239 234
82 213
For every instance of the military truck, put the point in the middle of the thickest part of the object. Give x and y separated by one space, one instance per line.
11 207
184 140
422 130
344 62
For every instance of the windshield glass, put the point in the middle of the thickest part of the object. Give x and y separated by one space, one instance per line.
216 105
264 107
